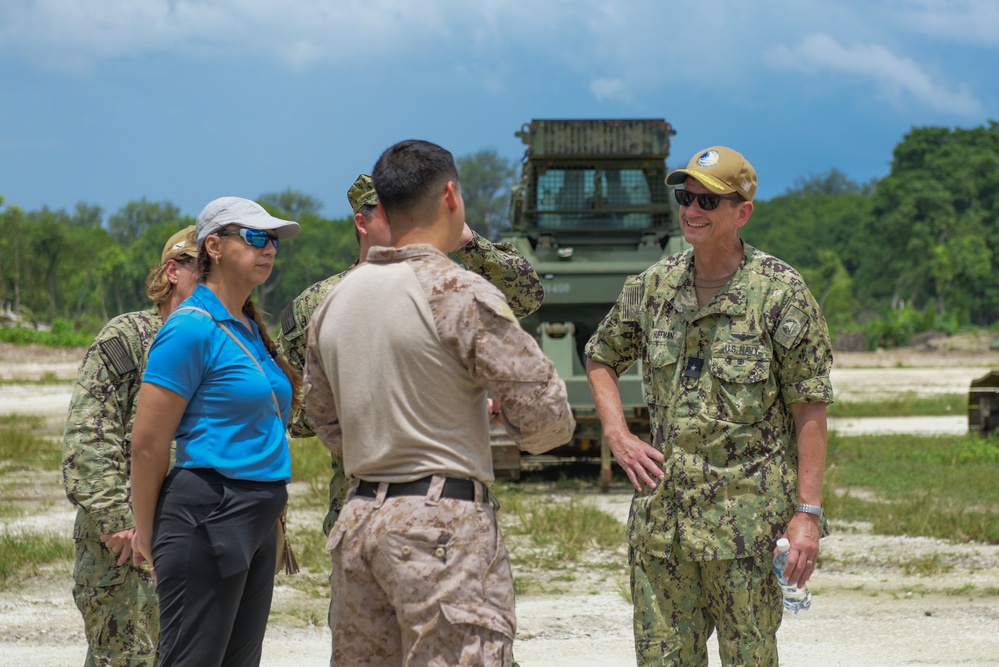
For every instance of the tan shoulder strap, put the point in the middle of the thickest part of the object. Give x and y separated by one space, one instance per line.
277 407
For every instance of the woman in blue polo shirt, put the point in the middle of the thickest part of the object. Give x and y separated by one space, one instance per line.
215 383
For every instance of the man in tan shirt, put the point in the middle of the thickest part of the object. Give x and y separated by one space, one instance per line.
417 554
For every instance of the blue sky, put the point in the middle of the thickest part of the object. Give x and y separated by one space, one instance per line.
107 101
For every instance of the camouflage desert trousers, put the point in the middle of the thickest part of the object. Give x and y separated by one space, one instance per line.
119 606
420 580
679 603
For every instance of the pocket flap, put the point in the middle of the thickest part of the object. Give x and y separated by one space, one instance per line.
482 616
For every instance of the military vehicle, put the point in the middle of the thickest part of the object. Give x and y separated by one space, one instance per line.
983 404
591 209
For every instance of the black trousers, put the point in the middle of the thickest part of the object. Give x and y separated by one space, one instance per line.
214 552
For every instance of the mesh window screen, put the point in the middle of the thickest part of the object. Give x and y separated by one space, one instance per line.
588 198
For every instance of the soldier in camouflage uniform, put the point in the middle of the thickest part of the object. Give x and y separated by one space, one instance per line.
420 573
499 263
736 358
117 599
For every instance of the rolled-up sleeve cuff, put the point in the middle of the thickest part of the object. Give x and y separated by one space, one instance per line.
112 520
812 390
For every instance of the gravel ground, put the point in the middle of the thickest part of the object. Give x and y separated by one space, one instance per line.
867 610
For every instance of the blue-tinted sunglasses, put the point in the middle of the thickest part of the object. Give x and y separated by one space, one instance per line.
258 238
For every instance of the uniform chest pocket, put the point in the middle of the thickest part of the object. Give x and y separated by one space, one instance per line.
660 371
741 386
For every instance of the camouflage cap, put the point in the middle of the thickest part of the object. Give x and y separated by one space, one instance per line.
180 245
721 170
362 192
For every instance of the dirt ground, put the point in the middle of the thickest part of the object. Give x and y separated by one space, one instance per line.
871 608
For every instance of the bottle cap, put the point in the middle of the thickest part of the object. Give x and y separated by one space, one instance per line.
783 545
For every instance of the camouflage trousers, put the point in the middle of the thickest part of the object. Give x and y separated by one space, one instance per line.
679 603
420 580
119 606
339 485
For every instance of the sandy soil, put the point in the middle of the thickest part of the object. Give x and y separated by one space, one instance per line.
870 607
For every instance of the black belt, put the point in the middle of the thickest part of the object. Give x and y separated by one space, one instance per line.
460 489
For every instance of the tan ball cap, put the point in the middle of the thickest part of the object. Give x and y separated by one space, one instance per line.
180 245
721 170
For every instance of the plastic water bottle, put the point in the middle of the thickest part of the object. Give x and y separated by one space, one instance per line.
795 599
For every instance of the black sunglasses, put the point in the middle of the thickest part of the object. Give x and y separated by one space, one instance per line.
706 201
258 238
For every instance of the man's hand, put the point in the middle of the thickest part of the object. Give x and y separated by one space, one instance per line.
119 543
803 534
495 410
641 461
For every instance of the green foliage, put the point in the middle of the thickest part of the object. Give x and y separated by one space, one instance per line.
486 179
916 250
54 338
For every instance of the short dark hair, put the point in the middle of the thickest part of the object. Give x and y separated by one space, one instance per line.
409 171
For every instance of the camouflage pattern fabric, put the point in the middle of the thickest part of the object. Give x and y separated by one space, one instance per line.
440 564
507 270
499 263
118 603
688 599
719 381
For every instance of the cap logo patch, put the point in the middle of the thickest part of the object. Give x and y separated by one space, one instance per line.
708 159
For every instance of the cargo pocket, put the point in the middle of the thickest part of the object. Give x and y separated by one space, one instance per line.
740 382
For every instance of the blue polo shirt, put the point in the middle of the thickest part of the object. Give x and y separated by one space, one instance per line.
230 423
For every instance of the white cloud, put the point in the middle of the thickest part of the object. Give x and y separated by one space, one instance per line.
896 77
610 90
962 21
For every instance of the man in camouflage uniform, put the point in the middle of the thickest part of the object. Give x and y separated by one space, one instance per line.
499 263
117 599
420 573
736 358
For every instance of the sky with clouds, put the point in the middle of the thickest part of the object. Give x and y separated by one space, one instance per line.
107 101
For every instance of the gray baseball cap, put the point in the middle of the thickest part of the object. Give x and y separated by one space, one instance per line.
225 211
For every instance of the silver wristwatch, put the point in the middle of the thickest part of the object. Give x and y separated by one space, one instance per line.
808 509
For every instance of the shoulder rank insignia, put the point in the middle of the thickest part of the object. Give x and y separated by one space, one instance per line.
116 356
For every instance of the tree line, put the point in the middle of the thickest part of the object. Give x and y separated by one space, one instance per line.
912 251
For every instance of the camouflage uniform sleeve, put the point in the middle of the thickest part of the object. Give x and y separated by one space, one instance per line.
803 350
291 345
504 267
617 340
97 439
293 340
480 329
320 403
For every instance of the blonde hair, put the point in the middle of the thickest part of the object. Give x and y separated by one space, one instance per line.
158 285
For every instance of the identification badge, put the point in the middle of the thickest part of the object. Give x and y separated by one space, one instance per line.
693 367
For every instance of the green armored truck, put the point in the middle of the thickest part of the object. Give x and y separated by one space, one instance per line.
591 209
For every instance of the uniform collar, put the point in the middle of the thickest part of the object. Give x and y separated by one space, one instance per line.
386 254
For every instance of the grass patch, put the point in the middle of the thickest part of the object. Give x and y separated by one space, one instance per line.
559 531
21 448
46 378
908 404
942 487
310 460
21 554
